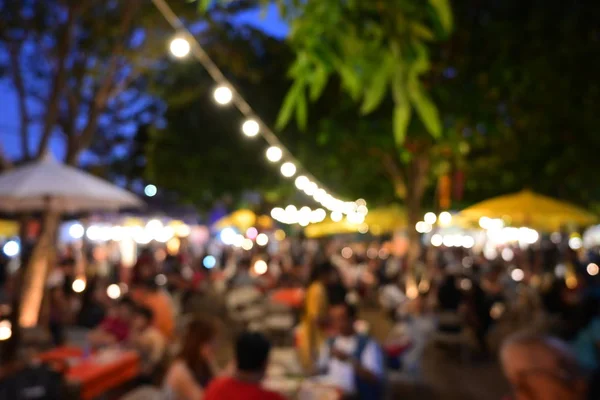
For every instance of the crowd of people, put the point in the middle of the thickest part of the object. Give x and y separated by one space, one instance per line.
448 292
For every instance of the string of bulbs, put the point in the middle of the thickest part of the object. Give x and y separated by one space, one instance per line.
225 93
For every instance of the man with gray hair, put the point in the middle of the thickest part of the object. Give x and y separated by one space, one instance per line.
542 368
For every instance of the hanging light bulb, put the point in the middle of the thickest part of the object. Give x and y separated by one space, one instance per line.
223 95
311 188
288 169
250 128
274 154
301 182
336 216
179 47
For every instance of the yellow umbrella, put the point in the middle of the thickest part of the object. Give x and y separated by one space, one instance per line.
244 219
530 209
379 221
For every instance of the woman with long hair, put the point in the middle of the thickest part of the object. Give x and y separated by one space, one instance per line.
194 367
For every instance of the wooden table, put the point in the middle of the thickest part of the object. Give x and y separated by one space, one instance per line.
95 375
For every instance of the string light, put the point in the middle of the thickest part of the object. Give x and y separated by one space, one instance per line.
301 182
225 94
274 154
179 47
288 169
250 128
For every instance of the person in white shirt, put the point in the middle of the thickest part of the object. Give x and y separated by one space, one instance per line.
350 361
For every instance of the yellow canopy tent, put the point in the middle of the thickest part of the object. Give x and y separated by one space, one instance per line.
530 209
244 219
380 220
9 228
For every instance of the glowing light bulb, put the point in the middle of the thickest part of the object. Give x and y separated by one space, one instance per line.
445 218
76 231
288 169
78 285
113 291
179 47
336 216
437 240
223 95
301 182
262 239
430 218
11 248
260 267
517 275
274 154
592 269
250 128
150 190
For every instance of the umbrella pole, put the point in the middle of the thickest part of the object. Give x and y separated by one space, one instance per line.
36 272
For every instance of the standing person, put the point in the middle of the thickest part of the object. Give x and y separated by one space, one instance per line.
194 368
542 368
251 356
354 362
315 312
148 294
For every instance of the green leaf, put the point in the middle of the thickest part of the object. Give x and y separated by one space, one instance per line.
421 31
319 81
424 106
401 120
350 81
376 91
443 12
203 5
301 111
289 103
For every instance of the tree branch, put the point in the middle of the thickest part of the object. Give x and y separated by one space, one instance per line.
15 63
63 47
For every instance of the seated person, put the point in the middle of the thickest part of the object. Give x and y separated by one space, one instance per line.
147 340
115 326
251 356
148 294
195 366
350 361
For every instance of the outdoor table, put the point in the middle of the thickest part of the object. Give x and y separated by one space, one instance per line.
98 373
292 297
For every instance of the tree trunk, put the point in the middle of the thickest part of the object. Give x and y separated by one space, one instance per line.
416 184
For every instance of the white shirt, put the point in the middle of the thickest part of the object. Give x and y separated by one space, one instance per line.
340 373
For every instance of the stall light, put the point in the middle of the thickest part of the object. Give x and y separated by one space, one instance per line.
274 154
247 244
310 188
420 227
117 233
445 218
209 262
575 243
239 240
164 235
76 231
507 254
251 233
5 330
336 216
467 242
182 230
78 285
227 236
160 280
437 240
279 234
260 267
150 190
484 222
223 95
179 47
113 291
363 228
517 275
301 182
430 218
262 239
592 269
11 248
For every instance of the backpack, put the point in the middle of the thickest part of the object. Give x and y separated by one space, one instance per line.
366 390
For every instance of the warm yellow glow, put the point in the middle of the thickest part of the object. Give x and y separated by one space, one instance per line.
179 47
262 239
247 244
430 218
592 269
279 234
78 285
336 216
250 128
113 291
5 330
223 95
445 218
173 246
274 154
260 267
288 169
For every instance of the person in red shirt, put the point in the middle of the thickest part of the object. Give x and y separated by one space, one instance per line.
251 356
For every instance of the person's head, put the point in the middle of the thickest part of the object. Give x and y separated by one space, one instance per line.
252 353
198 346
323 273
125 309
342 317
543 368
142 318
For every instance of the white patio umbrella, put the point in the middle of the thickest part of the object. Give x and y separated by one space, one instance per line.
54 188
48 185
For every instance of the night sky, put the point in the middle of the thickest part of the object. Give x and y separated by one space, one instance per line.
271 23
